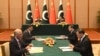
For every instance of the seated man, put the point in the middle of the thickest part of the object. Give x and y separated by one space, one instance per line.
27 36
16 46
72 37
84 46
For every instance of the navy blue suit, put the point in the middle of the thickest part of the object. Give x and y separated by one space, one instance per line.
27 37
72 37
84 47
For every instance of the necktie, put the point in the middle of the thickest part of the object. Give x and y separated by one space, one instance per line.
19 45
30 33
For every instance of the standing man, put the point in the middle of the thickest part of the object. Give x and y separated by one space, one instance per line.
84 46
27 36
16 46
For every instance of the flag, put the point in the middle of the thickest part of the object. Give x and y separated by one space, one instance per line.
52 19
29 19
36 12
60 12
68 18
45 19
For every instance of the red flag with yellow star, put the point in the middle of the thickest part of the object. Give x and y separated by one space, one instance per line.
52 14
36 12
68 17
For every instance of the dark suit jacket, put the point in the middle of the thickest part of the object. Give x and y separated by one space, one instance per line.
27 37
14 48
84 47
72 37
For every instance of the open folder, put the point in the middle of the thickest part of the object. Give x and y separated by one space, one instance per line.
36 50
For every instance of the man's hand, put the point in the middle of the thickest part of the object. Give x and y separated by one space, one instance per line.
29 46
34 37
71 46
64 37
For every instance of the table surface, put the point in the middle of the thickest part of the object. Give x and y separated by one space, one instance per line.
53 51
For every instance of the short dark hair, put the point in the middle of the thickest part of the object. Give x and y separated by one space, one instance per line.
30 26
72 26
81 31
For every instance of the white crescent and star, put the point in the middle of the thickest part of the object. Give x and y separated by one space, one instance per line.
43 15
27 14
61 11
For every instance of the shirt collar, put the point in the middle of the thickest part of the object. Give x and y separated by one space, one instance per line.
28 31
82 37
71 31
17 39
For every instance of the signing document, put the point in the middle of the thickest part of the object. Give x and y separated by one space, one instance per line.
66 48
36 50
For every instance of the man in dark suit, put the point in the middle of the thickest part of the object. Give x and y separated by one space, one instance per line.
72 37
16 46
84 45
27 36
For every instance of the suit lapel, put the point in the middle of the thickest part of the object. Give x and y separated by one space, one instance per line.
29 33
81 42
18 43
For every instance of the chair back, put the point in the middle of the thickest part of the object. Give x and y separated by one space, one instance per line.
5 49
0 51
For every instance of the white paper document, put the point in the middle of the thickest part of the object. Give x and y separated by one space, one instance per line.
67 48
36 50
59 37
40 39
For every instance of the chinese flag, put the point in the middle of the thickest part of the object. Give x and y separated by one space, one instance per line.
68 17
52 14
36 12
